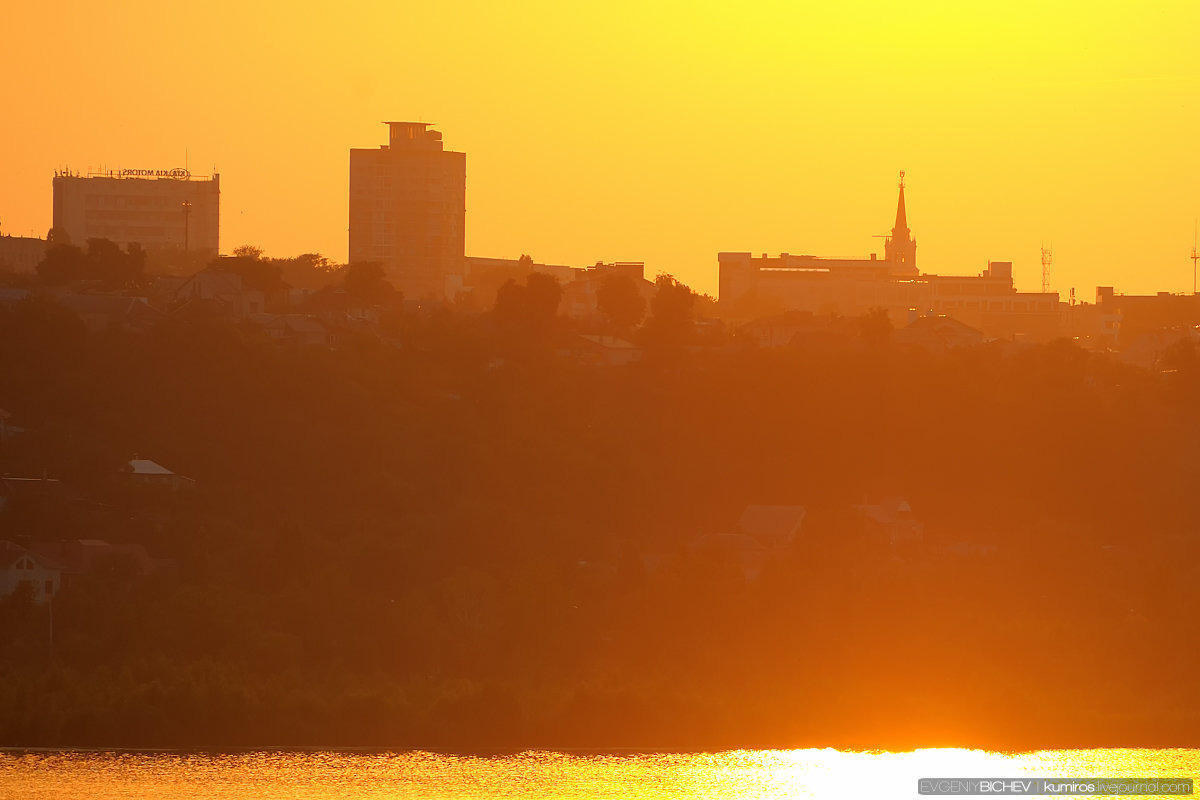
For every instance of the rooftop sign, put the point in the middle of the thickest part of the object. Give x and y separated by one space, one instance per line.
178 172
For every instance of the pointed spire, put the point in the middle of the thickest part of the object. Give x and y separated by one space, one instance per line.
901 228
900 248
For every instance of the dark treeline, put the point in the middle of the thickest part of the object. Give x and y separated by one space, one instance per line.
446 541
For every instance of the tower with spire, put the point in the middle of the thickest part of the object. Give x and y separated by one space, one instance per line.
900 249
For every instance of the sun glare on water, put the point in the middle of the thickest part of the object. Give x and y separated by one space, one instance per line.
835 774
741 774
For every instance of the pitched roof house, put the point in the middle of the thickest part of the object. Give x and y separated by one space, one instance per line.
19 565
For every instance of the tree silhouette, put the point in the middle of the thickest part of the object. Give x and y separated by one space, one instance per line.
543 293
62 264
672 312
528 308
875 327
310 271
619 302
106 262
248 251
57 236
366 281
255 272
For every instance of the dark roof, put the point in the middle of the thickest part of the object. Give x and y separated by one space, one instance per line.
770 521
12 486
85 555
942 323
109 305
11 551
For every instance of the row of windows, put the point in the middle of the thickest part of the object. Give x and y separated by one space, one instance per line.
174 216
92 201
995 305
132 234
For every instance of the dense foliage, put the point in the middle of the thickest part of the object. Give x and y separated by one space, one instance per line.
445 541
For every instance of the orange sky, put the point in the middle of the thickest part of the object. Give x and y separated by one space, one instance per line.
663 132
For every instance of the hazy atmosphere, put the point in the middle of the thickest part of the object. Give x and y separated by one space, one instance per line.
658 132
576 401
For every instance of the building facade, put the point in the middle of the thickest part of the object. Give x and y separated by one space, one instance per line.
21 253
408 210
753 287
166 212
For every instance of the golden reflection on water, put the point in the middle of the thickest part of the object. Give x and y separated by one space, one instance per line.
756 774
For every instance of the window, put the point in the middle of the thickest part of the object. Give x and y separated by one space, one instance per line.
49 588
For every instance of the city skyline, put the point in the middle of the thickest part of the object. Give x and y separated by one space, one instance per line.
596 429
661 135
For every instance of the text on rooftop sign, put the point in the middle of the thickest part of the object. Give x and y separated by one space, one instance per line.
178 172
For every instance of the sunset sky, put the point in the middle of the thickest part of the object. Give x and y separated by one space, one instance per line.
658 131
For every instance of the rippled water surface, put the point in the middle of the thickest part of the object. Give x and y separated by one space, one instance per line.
737 774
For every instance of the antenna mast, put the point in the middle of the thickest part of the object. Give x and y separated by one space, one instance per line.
1194 257
1046 259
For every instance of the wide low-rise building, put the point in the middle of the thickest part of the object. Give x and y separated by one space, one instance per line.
755 286
21 253
168 213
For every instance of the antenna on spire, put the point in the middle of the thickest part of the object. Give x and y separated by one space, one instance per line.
1047 258
901 179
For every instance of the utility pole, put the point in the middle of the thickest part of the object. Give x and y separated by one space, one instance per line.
187 210
1194 257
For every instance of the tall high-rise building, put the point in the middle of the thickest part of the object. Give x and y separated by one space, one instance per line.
408 205
164 211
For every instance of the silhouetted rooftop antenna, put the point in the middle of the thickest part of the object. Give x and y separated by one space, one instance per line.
1047 258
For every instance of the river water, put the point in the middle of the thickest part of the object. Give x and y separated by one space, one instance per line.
74 775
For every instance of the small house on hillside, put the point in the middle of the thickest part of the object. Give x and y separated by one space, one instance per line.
220 293
891 521
145 472
82 556
938 333
295 329
18 566
102 312
772 526
601 351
